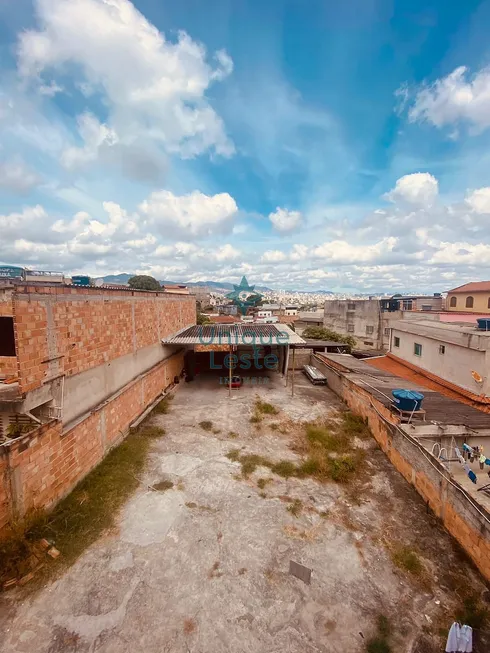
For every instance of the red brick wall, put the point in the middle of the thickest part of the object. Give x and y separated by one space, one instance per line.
463 520
88 327
46 464
8 366
31 342
4 491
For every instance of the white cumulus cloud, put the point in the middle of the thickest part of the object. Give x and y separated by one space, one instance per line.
195 214
479 200
16 177
153 87
419 188
456 97
284 220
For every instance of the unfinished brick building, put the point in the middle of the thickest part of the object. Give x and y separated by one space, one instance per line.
77 366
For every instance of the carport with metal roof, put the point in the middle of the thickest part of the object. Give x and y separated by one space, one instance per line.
209 345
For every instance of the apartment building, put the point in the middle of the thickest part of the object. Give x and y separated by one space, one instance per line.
369 321
456 355
470 298
77 366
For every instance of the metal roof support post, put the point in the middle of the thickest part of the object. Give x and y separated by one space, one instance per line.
230 366
287 365
292 378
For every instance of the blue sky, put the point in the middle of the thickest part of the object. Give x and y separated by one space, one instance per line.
308 145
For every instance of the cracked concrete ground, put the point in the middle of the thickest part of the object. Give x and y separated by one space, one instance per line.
203 567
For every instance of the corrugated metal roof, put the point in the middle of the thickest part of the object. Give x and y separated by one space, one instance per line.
235 334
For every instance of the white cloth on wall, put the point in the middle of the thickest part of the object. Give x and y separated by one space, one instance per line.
459 639
453 638
466 639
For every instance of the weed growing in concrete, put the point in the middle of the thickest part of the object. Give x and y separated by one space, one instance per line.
407 559
234 455
189 626
232 435
163 407
216 431
214 571
355 425
206 425
81 517
284 468
320 436
263 495
162 486
256 418
250 462
265 408
380 643
151 432
274 426
262 482
473 613
295 508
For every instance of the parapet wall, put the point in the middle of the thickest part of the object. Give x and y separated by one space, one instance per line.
63 330
466 520
40 468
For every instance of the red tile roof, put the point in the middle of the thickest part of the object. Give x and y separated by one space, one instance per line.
474 286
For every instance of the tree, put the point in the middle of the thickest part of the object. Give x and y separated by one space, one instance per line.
202 319
321 333
144 282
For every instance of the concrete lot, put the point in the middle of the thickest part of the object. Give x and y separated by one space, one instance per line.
204 566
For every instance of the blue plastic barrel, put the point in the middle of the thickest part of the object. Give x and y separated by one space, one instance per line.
408 399
484 323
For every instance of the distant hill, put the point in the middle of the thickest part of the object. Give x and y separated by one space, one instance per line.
215 285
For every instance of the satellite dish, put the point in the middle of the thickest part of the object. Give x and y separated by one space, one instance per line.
99 282
476 376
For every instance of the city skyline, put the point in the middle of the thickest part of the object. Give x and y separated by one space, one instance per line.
342 148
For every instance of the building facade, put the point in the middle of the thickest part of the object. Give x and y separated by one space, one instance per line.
83 364
457 354
470 298
369 321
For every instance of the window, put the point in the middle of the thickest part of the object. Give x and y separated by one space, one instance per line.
369 330
453 301
469 302
417 349
396 341
351 306
442 349
7 338
407 304
387 331
350 328
488 303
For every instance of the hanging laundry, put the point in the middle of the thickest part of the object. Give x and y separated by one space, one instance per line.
466 639
487 461
459 456
467 448
471 474
460 639
482 460
453 638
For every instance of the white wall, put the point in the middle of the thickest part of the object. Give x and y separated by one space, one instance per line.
455 365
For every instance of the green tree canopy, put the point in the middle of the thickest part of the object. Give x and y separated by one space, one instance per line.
322 333
202 319
144 282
